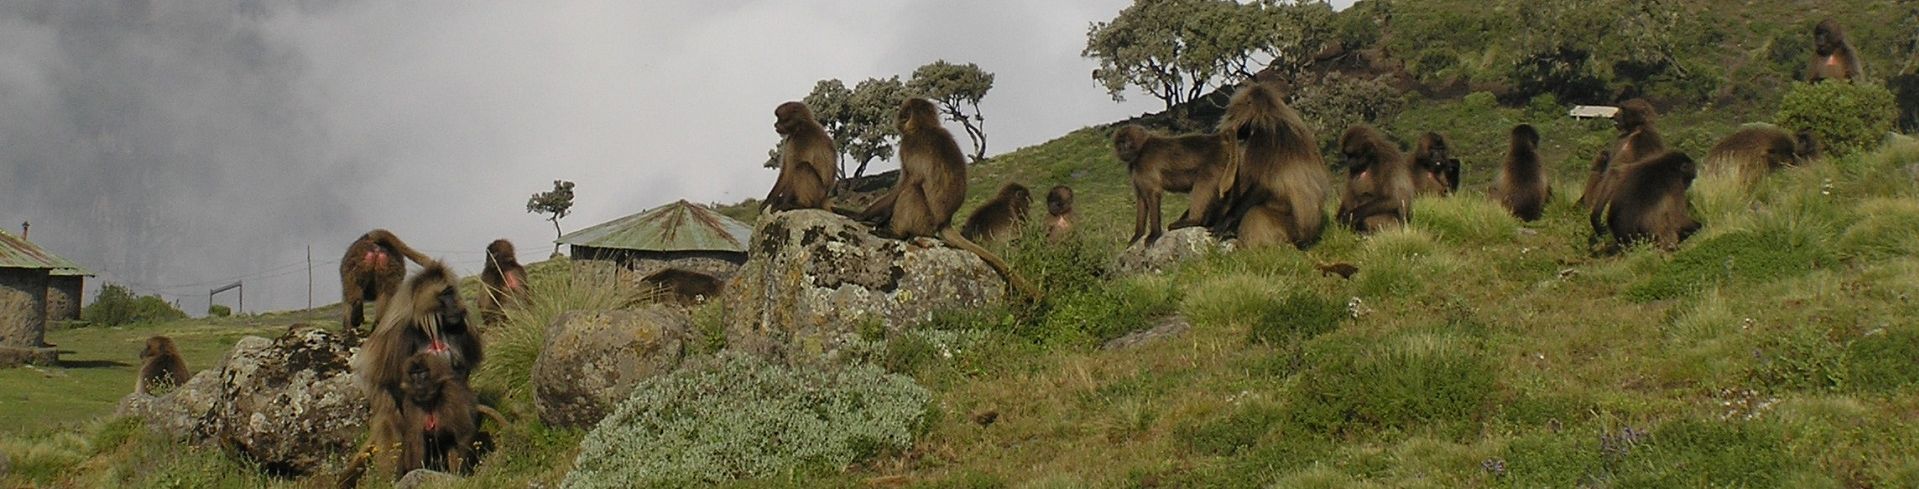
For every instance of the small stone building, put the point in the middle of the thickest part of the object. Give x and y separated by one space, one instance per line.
680 235
64 287
25 272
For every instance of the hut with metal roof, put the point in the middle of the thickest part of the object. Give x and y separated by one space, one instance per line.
680 235
64 286
25 271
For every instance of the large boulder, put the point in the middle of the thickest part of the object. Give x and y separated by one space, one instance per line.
182 412
592 360
291 405
1173 248
813 277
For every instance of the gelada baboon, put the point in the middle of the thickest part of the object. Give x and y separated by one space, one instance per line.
1649 202
808 160
426 315
1280 182
1755 150
1379 182
1521 186
1435 170
438 421
161 366
372 270
1637 140
1833 57
931 187
686 287
503 279
1001 217
1194 164
1059 211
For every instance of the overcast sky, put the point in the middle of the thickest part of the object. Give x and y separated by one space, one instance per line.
181 144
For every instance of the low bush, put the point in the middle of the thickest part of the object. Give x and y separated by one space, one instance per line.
115 305
1846 117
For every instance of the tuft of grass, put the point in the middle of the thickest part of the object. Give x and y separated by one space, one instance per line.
1230 434
1887 228
1744 257
1883 361
1298 317
515 344
1466 219
1359 386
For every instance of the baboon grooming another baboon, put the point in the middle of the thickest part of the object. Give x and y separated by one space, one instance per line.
426 315
1379 184
160 366
1756 150
808 160
1059 209
1637 140
372 270
1649 202
1833 57
1001 217
1194 164
1280 182
1435 170
1522 187
504 280
931 187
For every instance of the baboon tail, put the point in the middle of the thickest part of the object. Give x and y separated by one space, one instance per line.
488 411
1012 278
386 238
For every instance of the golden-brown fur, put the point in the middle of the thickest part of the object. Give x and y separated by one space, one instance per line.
1194 164
1756 150
503 279
1379 182
1637 140
1650 202
1434 169
1522 186
426 315
1001 217
1280 182
808 161
1833 56
931 187
1059 211
161 366
371 271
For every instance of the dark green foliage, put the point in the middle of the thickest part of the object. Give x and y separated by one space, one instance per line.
219 311
1358 386
1697 453
115 305
1232 433
1298 317
1565 72
1548 459
1801 358
1106 312
1741 257
1884 361
1846 117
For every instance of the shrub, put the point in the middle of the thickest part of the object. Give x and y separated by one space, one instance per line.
1361 385
735 416
1108 310
1696 453
219 311
1883 361
1298 317
1887 228
1341 101
1846 117
117 306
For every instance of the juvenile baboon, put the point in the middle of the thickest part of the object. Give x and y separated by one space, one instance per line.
504 280
1756 150
1434 169
1637 140
371 271
1379 182
1280 182
438 421
426 315
1649 202
1194 164
686 287
1834 58
161 366
1522 187
808 160
1059 209
1001 217
931 187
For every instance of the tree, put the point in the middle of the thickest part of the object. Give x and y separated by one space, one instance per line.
1178 50
557 204
870 124
956 87
829 102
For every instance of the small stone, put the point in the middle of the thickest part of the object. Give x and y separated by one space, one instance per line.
425 478
1173 248
986 418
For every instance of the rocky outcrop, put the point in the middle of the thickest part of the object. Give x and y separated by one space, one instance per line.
182 412
814 277
1175 247
425 478
592 360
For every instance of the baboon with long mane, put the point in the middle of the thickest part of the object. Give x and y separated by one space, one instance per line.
1522 187
1193 164
1280 182
931 187
1379 182
372 270
1759 149
426 315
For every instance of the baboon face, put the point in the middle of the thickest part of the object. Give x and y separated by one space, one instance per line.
1806 146
790 116
1127 142
426 372
1020 198
1827 37
1059 200
1355 150
916 114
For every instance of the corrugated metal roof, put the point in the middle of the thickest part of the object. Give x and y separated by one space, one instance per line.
679 226
20 253
71 272
1592 112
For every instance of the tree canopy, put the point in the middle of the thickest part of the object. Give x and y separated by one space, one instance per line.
958 88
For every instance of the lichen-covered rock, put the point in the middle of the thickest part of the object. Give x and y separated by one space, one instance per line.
1175 247
425 478
592 360
182 412
812 278
291 405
